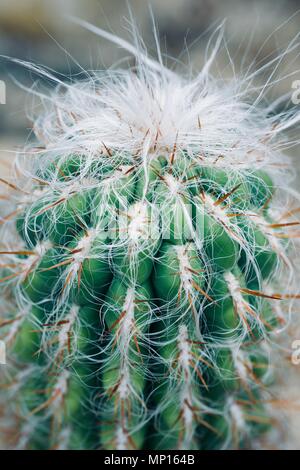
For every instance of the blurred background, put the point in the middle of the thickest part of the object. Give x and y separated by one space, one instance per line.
40 31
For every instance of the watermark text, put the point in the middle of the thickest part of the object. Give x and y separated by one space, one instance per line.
2 353
2 92
296 93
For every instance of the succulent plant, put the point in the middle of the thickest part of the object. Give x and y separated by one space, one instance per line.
150 231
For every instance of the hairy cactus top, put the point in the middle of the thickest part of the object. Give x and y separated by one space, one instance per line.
145 256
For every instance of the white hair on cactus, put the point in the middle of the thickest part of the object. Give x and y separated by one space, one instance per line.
118 123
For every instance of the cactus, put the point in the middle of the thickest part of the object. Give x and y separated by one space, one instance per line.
144 252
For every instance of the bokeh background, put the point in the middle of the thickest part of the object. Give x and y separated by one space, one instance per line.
41 31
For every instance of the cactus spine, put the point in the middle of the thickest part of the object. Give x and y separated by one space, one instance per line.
143 251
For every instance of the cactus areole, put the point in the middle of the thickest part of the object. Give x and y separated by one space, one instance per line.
147 263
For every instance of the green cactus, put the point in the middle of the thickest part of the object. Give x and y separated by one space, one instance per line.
141 264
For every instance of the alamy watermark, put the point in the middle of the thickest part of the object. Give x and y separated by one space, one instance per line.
296 352
296 93
180 222
2 353
2 92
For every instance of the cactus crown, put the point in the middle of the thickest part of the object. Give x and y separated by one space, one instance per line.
144 251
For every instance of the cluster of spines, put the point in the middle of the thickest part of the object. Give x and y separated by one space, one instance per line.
142 291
